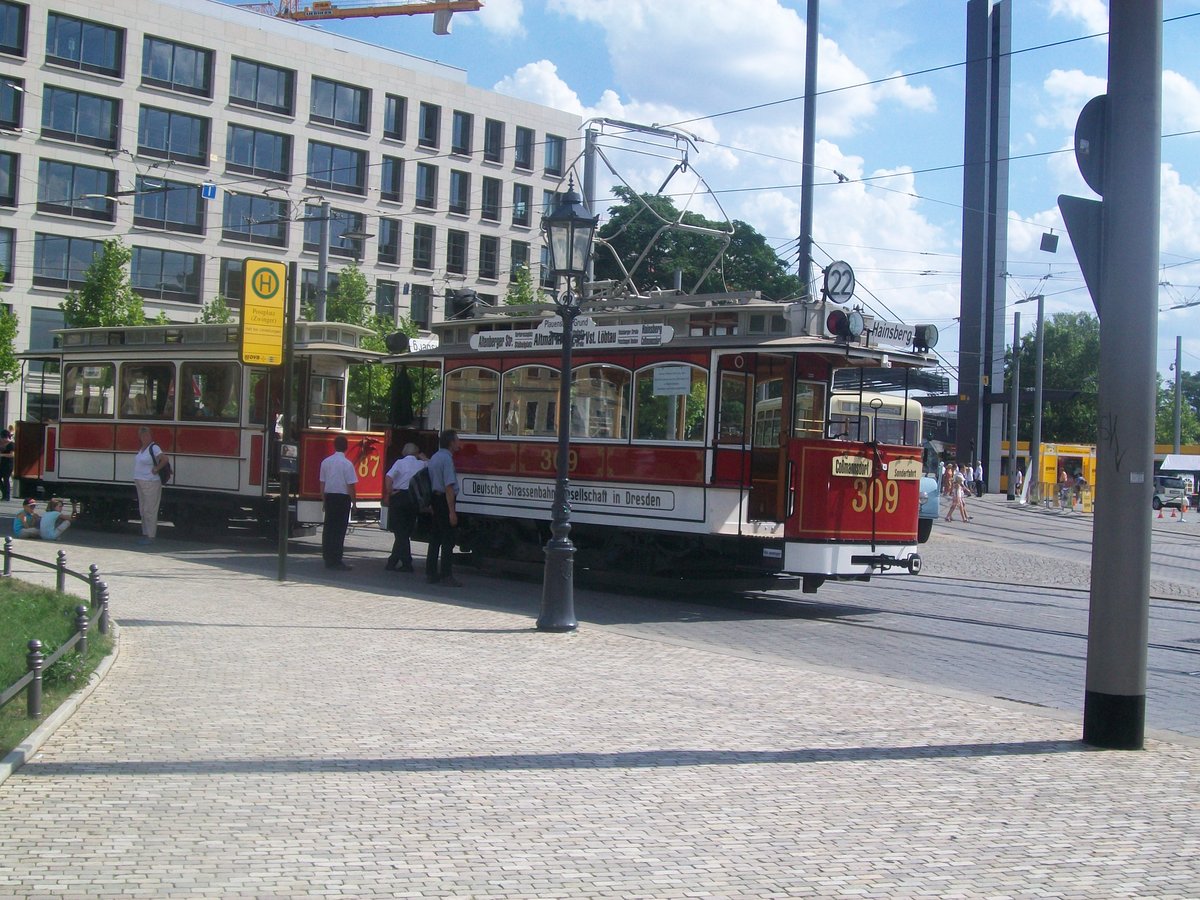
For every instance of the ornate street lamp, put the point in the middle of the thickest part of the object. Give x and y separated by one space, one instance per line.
569 231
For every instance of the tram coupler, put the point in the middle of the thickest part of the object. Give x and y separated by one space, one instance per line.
885 561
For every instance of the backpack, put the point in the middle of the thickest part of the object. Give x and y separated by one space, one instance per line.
420 490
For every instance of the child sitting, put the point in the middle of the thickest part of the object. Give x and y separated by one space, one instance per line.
26 524
54 523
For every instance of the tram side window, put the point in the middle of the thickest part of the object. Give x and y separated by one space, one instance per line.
326 401
210 391
808 410
88 390
671 399
600 402
530 402
890 430
472 399
731 416
148 390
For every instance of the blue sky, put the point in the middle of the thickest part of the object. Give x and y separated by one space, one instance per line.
690 61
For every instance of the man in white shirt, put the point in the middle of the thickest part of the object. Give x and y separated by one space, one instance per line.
338 478
402 511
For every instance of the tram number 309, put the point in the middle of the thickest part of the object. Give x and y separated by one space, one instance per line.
549 464
881 496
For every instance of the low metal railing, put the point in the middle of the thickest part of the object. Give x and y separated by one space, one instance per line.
38 663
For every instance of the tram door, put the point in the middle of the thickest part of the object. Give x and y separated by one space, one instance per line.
770 427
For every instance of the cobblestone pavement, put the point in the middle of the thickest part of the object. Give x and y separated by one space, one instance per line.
378 737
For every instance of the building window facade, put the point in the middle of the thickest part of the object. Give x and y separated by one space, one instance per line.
80 118
456 252
427 186
341 221
490 199
389 241
423 246
493 141
84 45
14 22
337 168
489 256
386 295
12 97
518 257
177 67
264 154
255 219
523 149
460 192
343 105
556 154
166 274
522 198
60 262
460 138
420 305
68 189
430 126
168 205
7 238
392 179
395 115
10 172
172 135
232 281
260 86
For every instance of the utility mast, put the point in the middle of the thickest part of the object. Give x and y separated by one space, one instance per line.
318 10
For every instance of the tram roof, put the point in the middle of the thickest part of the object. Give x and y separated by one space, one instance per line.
324 338
752 323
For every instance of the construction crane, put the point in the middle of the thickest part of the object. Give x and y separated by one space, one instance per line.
317 10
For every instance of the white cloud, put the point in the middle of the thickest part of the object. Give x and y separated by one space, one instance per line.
539 82
1181 103
503 17
1092 14
1066 91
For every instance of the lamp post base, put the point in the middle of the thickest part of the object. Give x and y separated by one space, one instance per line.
558 588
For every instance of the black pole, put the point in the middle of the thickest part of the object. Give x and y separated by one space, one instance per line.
558 582
285 410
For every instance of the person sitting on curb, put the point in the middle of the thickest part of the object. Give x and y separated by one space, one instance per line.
27 522
54 523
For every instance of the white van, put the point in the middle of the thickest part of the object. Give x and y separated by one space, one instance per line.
1169 490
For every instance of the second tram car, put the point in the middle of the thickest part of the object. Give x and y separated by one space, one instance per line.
702 441
219 420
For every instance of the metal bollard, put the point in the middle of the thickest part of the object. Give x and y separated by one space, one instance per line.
103 591
8 556
93 577
60 578
34 660
81 626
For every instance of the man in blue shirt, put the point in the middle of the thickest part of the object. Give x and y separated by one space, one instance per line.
445 517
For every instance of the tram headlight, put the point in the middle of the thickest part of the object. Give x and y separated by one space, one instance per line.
925 338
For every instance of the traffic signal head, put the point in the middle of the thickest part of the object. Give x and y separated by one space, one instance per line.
925 337
844 324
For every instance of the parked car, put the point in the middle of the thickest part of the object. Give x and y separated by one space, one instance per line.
1169 490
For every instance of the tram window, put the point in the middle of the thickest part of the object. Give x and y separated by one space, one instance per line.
210 391
148 390
671 398
731 415
472 399
808 410
600 402
326 401
88 390
896 431
530 402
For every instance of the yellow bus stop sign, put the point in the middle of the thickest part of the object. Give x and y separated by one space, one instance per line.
264 312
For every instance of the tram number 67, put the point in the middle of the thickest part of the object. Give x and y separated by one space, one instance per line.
547 463
881 496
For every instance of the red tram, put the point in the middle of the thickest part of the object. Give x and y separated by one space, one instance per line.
218 419
700 438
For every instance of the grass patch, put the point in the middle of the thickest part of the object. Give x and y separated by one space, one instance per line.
27 612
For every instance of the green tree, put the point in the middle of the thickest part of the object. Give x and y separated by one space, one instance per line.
370 384
521 290
1070 355
106 297
10 366
1164 420
216 312
748 263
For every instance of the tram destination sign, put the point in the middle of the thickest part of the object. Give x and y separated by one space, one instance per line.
264 312
587 335
894 333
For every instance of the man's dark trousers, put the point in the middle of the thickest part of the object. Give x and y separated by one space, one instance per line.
337 521
441 546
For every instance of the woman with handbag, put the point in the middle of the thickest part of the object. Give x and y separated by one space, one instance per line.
151 470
